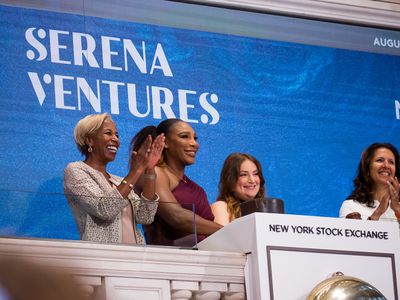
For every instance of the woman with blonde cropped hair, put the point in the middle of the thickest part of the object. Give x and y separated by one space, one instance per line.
106 207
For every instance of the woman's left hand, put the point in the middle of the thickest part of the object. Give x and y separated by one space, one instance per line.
139 159
394 189
148 154
155 152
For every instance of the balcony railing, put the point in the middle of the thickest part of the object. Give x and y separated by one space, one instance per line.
115 272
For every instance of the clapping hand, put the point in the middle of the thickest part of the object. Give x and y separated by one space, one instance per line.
382 207
156 150
148 154
393 190
389 198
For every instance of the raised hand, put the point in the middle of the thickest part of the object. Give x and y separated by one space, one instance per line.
155 151
140 159
148 154
393 190
382 207
384 203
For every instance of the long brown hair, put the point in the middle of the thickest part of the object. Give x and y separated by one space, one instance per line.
363 183
229 176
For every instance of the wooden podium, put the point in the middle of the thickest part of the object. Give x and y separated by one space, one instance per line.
288 255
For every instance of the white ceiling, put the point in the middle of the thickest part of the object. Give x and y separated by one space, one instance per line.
383 13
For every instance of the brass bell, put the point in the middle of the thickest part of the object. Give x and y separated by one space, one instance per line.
341 287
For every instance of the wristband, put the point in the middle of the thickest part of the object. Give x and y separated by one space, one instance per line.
150 176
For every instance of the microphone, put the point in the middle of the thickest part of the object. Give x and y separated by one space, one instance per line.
268 205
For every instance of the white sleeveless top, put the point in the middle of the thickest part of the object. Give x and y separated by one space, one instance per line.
350 206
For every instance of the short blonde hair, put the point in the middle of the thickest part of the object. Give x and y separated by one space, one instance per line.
86 127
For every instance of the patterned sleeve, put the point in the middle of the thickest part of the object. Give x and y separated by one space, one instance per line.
145 209
86 192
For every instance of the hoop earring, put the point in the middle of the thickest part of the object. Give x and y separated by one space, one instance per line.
90 149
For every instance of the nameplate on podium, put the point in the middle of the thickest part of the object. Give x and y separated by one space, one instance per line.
288 255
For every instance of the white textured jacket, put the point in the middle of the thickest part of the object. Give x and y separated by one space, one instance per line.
97 206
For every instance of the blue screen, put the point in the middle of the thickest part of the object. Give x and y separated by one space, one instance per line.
305 112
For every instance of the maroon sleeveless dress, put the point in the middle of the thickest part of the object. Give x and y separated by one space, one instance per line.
191 197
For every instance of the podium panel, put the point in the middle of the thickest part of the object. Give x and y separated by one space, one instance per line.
288 255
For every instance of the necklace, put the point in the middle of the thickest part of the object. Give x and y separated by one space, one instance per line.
184 177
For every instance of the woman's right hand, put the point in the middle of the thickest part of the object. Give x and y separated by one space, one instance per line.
382 207
354 216
148 154
155 151
140 159
393 188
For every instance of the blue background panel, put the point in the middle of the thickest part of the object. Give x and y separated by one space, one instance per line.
306 112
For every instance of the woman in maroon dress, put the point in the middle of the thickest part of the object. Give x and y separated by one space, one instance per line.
180 197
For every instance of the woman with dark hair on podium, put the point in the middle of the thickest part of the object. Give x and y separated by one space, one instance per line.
376 187
241 180
105 206
180 197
